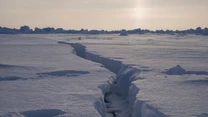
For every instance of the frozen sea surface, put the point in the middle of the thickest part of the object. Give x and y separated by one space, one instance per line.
156 75
41 78
174 69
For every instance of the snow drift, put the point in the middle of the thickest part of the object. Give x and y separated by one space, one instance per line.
178 70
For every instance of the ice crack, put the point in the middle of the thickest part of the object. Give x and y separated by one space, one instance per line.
119 94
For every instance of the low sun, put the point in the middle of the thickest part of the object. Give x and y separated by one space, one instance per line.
139 11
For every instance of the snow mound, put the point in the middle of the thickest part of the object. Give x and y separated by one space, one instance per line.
43 113
35 113
6 66
177 70
10 78
63 73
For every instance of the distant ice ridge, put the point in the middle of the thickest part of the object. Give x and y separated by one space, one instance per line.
119 94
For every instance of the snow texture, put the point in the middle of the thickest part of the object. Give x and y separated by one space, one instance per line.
154 75
120 99
41 78
162 93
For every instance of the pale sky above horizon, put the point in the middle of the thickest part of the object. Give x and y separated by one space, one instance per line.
105 14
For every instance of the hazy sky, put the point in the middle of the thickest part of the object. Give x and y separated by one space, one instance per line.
105 14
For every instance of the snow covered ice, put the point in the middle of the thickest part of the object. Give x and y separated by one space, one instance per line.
111 76
172 78
41 78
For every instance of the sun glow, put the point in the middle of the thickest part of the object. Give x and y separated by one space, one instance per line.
139 11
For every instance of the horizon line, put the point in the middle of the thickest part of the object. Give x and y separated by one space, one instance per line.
107 29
